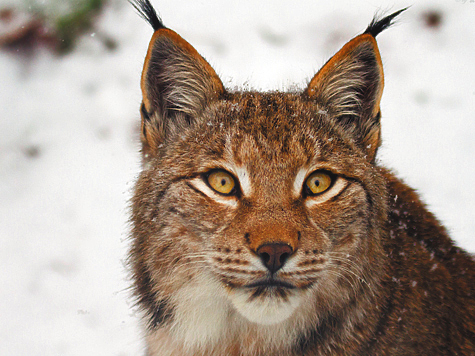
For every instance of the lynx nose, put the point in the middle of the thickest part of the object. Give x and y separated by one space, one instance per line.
274 255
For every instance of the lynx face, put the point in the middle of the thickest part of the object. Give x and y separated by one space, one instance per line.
264 204
257 209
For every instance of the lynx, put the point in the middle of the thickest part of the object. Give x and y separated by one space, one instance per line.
262 223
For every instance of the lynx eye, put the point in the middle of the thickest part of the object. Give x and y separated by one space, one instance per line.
318 182
222 182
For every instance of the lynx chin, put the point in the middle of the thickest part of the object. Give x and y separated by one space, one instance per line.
263 225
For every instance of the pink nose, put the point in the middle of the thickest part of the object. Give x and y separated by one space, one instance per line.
274 255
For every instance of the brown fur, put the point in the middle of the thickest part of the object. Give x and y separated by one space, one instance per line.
371 271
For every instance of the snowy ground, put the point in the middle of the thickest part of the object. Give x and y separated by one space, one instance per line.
69 150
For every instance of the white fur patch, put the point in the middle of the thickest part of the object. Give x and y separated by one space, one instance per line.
208 319
245 183
201 186
201 313
338 186
298 182
268 310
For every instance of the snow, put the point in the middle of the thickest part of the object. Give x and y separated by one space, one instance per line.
69 147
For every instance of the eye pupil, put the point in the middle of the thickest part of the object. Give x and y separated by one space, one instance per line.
221 181
318 182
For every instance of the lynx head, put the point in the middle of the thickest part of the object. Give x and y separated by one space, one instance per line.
255 203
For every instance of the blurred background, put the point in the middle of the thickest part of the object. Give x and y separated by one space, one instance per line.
69 152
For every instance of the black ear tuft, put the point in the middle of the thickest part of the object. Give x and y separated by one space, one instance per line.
148 13
376 26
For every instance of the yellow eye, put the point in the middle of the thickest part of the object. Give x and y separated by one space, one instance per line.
222 182
318 182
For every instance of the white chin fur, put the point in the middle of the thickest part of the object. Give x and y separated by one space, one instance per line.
268 310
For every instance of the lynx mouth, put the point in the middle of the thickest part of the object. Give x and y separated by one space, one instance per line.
270 283
266 301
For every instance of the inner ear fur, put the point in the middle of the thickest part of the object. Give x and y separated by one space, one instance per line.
177 85
350 85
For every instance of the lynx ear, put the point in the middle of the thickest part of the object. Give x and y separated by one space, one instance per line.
177 85
350 84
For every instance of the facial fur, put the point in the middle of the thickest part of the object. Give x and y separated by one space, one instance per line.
194 234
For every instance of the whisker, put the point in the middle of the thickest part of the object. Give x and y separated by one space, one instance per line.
354 269
335 273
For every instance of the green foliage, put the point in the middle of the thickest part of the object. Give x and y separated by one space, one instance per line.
68 18
71 25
